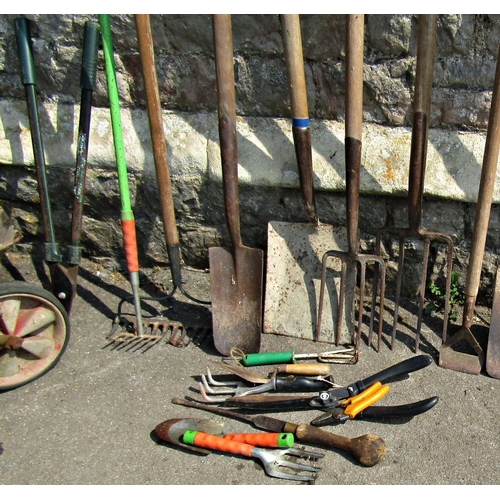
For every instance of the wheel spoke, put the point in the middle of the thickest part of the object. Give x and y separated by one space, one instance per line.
38 346
9 311
34 320
9 365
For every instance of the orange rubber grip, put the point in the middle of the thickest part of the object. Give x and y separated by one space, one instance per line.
130 241
264 439
212 442
358 403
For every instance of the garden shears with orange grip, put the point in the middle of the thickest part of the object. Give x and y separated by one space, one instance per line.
350 407
341 404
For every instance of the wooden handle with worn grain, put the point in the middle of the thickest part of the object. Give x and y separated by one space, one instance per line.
368 449
304 369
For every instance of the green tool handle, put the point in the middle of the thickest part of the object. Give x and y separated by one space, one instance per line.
268 358
114 101
127 216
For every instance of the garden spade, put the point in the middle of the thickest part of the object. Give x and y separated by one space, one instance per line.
236 274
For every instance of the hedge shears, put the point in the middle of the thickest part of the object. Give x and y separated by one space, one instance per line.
341 404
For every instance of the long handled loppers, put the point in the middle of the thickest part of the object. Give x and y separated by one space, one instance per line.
63 280
127 215
87 85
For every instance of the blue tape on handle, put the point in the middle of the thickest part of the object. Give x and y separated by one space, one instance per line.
300 122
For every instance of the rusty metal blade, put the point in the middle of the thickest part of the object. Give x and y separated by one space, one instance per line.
458 360
236 289
493 349
172 430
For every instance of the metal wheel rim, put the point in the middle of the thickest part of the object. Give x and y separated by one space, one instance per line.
41 325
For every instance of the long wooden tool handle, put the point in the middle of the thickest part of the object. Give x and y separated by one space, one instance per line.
301 130
369 449
483 207
295 72
353 121
146 51
224 66
160 153
426 52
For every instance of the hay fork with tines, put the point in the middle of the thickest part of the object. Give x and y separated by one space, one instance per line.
421 115
352 259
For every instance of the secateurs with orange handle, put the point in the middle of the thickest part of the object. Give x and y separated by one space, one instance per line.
350 407
272 460
341 404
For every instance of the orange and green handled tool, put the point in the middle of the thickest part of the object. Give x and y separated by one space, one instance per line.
264 439
127 215
271 459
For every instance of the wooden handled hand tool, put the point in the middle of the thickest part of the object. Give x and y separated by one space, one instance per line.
368 449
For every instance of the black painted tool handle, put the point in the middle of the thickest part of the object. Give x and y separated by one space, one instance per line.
89 57
28 78
23 32
87 84
301 384
407 366
408 410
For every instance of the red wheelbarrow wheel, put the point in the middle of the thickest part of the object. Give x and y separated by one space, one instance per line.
34 332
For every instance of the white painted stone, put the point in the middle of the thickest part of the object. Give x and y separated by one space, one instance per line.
266 154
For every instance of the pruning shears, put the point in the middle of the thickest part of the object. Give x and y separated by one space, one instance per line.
345 403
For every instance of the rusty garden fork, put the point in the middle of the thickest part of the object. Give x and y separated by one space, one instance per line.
353 136
421 115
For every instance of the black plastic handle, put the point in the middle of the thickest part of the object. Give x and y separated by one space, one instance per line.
89 58
301 384
407 366
24 47
409 410
377 412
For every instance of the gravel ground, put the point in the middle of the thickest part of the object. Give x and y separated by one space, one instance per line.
90 420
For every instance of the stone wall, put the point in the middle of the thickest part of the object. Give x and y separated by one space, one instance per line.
466 55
